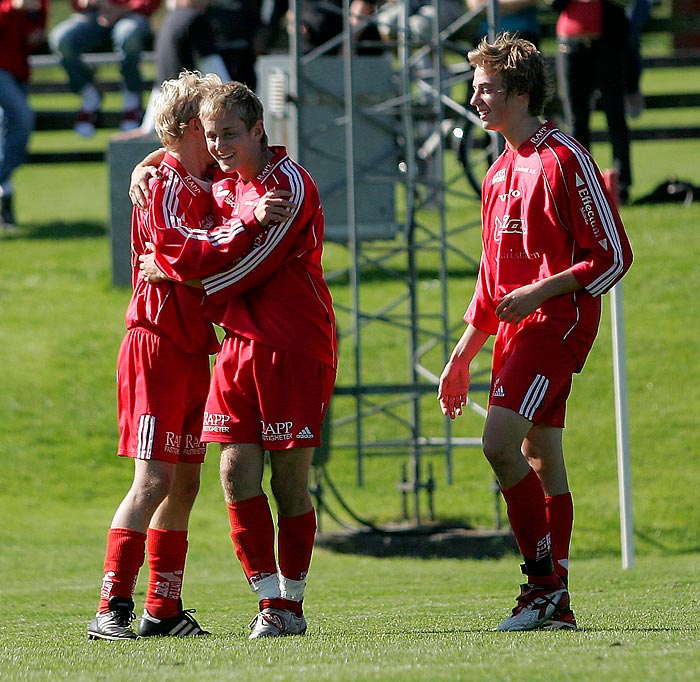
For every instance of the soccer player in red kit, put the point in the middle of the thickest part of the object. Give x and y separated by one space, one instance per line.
163 378
274 376
553 243
275 373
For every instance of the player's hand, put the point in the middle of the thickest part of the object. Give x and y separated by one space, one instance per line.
138 188
150 272
274 207
519 303
453 388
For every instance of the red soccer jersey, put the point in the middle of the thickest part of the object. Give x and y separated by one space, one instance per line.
276 293
179 223
545 209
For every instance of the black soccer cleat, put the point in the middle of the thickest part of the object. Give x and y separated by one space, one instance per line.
181 625
116 623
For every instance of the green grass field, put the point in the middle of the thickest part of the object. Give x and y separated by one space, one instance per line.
369 618
61 323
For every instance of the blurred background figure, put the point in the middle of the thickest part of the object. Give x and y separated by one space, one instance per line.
638 12
235 25
421 16
515 16
322 20
22 24
127 24
184 42
593 38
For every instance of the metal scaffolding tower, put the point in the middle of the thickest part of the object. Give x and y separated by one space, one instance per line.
385 136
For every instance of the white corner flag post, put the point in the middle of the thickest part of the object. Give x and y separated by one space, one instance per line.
623 455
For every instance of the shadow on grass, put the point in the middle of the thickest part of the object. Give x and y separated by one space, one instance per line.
61 230
655 543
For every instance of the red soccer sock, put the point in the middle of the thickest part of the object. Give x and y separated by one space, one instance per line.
283 604
560 517
167 551
126 550
528 520
253 536
295 544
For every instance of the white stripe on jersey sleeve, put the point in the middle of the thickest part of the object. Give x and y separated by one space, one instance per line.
604 281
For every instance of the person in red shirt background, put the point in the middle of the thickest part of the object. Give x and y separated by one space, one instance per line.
22 25
553 243
593 55
127 24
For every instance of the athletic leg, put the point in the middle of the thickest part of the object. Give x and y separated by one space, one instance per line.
543 449
252 528
167 542
296 522
127 536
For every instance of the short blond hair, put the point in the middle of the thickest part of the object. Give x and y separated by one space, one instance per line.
178 103
237 100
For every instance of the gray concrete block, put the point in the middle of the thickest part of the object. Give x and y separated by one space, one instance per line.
122 156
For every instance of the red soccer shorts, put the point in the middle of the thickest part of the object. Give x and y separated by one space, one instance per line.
263 395
161 392
532 374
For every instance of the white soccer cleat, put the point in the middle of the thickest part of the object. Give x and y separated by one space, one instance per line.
537 608
276 623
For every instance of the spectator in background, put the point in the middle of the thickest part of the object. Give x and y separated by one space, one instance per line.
235 25
322 20
515 16
593 38
183 42
421 15
638 12
271 33
127 24
22 24
211 36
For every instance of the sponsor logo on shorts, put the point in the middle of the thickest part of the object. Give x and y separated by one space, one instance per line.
216 423
499 392
272 431
305 433
174 443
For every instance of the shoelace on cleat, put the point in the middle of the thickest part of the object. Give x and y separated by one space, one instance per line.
124 618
